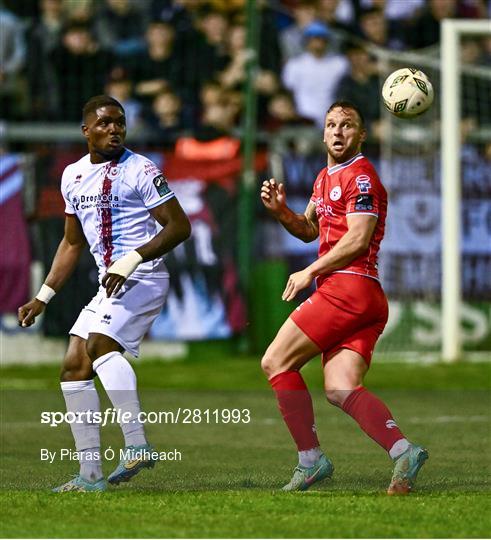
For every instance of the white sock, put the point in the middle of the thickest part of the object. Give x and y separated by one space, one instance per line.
308 458
399 448
81 397
90 464
119 381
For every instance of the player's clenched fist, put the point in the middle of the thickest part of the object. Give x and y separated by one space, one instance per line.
27 313
273 196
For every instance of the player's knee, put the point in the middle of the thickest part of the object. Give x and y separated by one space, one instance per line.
335 396
266 365
85 373
270 365
76 368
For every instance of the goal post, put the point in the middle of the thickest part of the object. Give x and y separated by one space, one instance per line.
452 30
435 262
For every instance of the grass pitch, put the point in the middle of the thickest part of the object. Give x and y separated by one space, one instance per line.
227 482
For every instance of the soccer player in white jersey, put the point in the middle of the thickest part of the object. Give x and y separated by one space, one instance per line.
120 204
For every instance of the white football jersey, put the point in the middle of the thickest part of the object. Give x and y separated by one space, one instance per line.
112 202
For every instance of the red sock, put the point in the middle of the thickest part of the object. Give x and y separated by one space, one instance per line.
373 416
295 405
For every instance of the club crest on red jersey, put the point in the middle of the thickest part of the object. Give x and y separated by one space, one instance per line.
335 194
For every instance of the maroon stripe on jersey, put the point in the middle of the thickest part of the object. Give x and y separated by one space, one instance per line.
106 217
9 172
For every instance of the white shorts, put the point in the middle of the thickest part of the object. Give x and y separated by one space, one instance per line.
126 317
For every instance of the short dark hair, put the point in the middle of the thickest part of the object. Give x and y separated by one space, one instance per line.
97 102
76 26
373 10
353 45
348 105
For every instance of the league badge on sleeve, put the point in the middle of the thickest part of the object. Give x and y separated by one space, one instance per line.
161 185
363 183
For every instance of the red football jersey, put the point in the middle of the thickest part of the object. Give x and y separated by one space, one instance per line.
352 187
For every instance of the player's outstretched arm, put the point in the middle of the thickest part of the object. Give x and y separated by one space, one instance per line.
303 226
350 246
64 263
176 229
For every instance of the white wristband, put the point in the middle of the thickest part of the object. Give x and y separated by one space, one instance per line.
45 293
126 265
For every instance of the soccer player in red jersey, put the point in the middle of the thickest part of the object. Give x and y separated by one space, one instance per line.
344 317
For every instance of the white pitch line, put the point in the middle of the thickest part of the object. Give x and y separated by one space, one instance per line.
413 420
450 419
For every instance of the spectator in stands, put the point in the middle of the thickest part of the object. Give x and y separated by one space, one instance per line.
425 31
214 26
269 42
81 68
361 86
234 75
314 75
210 94
213 93
12 57
218 119
227 7
45 30
213 139
43 37
180 14
157 68
205 50
394 9
166 121
291 38
120 27
120 87
328 12
202 52
282 113
79 11
375 28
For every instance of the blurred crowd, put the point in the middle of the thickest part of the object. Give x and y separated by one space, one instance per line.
179 65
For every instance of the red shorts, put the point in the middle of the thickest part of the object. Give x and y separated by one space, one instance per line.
347 311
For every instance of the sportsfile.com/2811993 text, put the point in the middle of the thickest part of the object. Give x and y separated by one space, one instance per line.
178 416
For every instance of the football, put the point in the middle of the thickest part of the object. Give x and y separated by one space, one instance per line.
407 93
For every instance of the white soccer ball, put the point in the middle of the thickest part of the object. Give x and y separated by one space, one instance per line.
407 93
